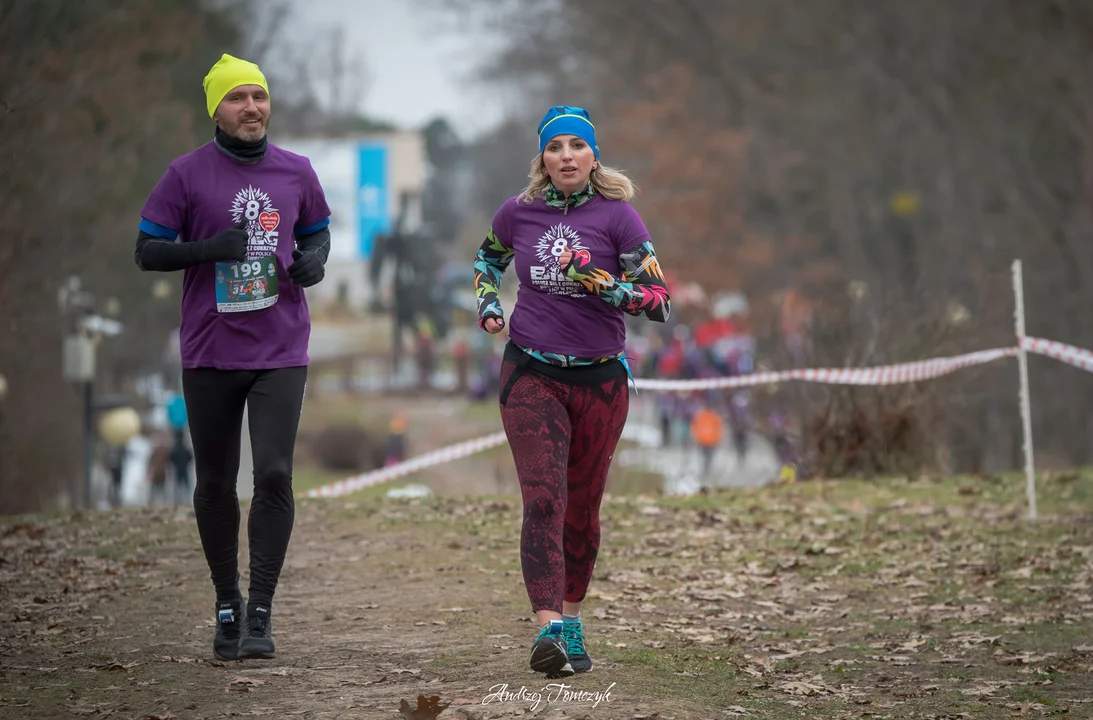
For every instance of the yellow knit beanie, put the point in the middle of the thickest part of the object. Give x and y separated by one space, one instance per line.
227 74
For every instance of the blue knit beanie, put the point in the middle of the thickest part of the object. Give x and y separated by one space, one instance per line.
567 120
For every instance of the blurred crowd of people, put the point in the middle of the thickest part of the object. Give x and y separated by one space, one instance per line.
705 419
702 420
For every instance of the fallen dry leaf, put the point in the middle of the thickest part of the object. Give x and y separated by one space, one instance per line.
117 666
428 708
802 688
244 684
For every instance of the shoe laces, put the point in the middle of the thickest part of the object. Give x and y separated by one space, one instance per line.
257 625
574 638
544 631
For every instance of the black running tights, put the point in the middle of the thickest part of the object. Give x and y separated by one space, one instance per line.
214 402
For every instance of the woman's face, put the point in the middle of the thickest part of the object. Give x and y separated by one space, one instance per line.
569 162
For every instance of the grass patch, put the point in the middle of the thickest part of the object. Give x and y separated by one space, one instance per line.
634 481
892 598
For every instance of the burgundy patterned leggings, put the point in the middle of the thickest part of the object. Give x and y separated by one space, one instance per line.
562 438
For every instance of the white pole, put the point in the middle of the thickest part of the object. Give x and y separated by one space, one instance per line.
1026 407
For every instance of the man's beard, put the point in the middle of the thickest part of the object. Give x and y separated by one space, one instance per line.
251 135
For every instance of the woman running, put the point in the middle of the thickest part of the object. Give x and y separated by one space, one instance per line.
583 258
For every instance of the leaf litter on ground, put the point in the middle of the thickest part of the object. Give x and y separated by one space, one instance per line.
851 596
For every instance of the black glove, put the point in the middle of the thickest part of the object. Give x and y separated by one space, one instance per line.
307 269
229 245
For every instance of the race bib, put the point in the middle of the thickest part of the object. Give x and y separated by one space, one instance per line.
246 286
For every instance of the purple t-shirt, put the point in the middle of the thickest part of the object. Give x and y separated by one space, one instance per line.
247 315
553 313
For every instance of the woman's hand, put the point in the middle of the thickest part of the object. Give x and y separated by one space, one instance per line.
493 325
565 258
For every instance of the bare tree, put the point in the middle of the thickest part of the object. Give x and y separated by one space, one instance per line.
916 148
81 143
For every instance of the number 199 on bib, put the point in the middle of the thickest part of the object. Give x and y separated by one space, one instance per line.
245 270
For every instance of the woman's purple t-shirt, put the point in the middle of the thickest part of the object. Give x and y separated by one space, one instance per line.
248 315
554 314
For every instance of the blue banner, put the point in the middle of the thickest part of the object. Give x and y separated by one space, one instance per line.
371 196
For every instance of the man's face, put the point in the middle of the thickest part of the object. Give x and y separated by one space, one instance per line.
244 113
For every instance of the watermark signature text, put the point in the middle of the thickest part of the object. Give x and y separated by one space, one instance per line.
552 693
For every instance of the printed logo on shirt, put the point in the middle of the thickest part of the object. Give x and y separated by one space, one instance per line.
547 276
253 206
253 283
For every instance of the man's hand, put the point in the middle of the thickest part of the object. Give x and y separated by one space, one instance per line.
229 245
307 270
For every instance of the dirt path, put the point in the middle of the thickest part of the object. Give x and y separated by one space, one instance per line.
912 600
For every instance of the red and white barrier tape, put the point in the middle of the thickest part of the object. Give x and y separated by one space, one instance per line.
880 375
436 457
1076 356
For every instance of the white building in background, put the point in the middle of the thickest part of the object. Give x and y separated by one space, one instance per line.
363 177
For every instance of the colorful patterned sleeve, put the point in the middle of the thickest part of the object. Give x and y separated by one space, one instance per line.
640 291
489 265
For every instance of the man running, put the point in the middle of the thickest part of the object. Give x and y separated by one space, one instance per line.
226 214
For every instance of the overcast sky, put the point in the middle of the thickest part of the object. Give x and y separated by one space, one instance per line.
418 62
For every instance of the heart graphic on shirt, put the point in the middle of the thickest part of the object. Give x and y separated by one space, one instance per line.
269 220
584 254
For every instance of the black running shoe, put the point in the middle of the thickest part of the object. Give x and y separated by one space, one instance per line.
230 616
574 642
257 639
548 654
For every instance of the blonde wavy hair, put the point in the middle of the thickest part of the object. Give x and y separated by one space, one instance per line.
610 183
